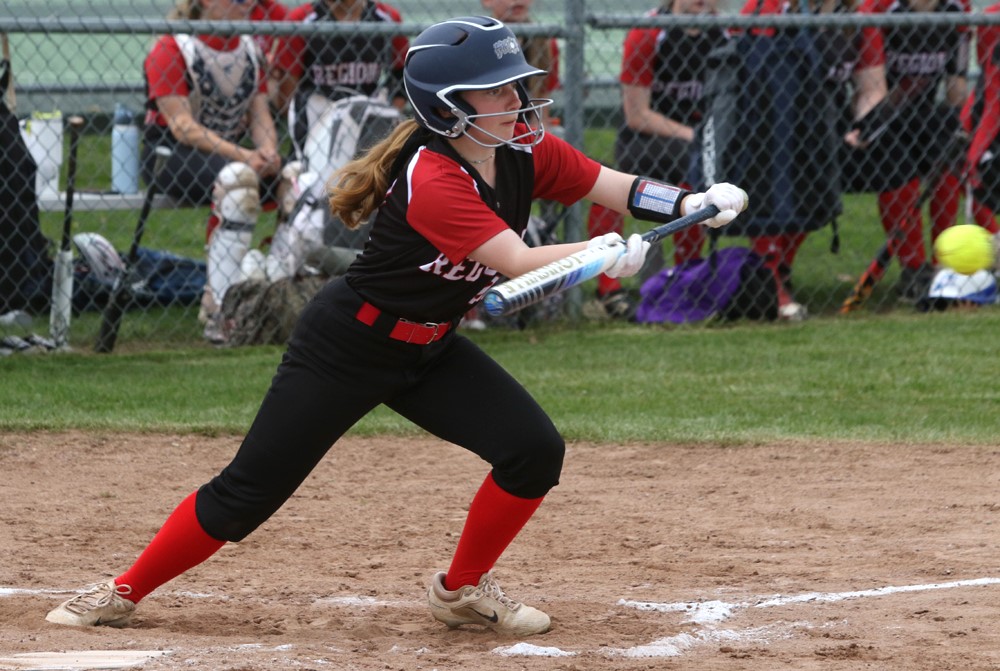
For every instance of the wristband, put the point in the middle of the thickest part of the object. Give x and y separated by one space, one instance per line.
650 200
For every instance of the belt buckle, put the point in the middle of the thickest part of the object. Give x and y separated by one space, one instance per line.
434 328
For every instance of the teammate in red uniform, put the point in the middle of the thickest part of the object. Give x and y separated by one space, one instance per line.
453 193
335 66
324 79
919 61
838 50
662 78
981 119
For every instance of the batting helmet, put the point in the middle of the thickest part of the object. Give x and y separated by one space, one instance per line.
466 54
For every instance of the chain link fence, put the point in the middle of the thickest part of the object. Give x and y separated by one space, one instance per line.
844 127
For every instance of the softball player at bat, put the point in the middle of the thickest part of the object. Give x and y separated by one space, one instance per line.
450 193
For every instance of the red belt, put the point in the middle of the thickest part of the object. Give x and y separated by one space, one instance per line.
402 329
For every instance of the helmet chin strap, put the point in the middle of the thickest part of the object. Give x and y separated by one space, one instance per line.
536 130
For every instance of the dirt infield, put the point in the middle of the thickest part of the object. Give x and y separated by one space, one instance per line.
797 556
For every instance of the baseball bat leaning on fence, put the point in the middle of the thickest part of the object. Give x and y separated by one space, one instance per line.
883 257
121 291
10 98
61 310
575 269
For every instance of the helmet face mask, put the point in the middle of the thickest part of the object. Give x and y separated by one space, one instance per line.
468 54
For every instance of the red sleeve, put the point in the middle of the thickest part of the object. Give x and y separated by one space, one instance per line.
445 207
872 51
552 80
987 38
637 59
290 48
989 123
165 69
562 172
764 8
400 44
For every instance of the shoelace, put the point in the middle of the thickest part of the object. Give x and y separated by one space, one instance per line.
97 596
490 587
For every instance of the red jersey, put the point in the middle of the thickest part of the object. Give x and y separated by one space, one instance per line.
415 264
672 64
916 58
267 10
326 63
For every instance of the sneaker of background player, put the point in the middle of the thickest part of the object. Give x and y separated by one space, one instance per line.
102 604
214 332
789 309
618 304
914 282
793 312
472 321
486 605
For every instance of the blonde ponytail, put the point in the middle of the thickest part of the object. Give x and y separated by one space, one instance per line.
358 189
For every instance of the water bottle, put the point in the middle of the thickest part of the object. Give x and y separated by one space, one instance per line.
124 152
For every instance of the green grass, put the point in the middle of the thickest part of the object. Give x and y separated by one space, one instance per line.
899 377
884 374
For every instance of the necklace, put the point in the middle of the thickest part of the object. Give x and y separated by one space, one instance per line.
480 161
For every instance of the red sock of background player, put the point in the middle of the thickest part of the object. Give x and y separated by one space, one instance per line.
180 544
495 518
943 207
898 210
601 220
688 244
984 217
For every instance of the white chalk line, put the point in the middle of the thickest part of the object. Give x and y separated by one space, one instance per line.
708 614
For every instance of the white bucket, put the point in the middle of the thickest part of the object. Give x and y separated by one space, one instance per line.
43 133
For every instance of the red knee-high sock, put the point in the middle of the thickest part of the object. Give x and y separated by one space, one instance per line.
943 207
210 226
688 244
898 210
601 220
495 518
180 544
984 217
793 242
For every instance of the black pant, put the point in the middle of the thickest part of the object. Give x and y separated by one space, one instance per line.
188 175
336 370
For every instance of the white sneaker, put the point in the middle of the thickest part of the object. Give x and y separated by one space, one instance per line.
214 331
485 605
793 312
104 603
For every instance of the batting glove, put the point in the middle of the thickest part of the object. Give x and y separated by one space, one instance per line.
730 199
631 261
606 239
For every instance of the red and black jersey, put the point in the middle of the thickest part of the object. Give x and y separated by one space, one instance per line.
672 64
916 58
326 63
415 264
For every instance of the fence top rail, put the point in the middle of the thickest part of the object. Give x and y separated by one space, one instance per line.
132 26
609 21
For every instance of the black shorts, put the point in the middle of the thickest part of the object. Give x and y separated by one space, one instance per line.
656 156
916 144
188 175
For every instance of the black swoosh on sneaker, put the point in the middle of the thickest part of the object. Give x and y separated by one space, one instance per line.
489 618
